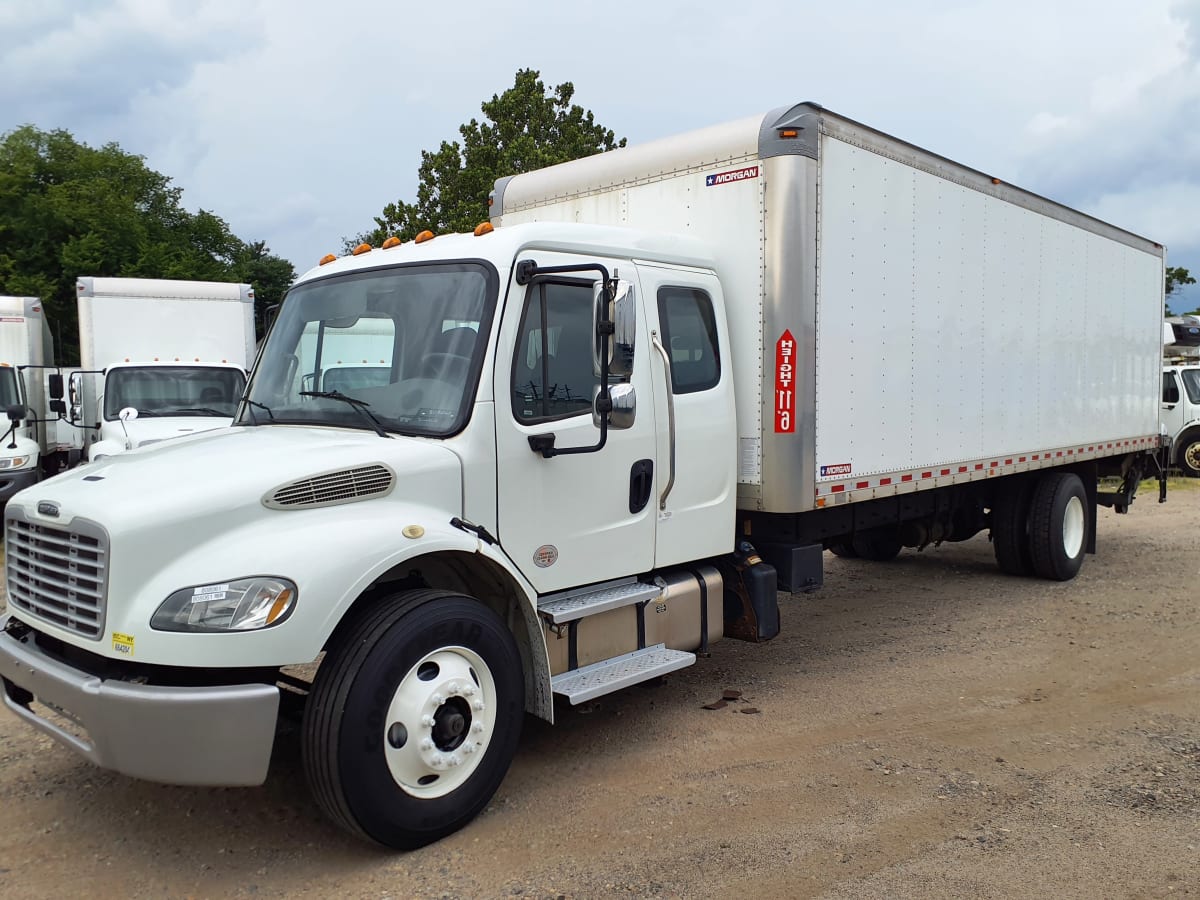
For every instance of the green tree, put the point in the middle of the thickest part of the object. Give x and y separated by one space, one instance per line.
1177 278
525 128
69 210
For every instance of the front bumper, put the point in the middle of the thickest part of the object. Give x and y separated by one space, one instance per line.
210 735
12 481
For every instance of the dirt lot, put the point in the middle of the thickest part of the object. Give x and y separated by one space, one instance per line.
922 728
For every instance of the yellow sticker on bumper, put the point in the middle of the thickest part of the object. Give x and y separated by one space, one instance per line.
122 643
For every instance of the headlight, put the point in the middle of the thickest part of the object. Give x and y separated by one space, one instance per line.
13 462
247 604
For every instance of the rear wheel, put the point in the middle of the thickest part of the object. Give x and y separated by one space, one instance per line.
1010 528
414 718
878 544
843 549
1058 524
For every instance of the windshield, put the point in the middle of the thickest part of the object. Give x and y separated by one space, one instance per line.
406 341
1191 383
10 394
173 391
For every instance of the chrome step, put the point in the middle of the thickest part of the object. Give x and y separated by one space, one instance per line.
619 672
581 605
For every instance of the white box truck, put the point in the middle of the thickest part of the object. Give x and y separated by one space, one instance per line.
159 359
785 334
32 444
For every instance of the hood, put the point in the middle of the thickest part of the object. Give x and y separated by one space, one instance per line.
144 432
217 480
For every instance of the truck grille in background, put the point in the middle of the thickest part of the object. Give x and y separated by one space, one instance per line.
58 574
331 488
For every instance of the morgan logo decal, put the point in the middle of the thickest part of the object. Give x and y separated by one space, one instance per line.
839 469
731 176
545 556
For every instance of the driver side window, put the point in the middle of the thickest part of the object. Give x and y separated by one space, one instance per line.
552 372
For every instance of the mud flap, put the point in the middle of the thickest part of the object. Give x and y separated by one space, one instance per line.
751 596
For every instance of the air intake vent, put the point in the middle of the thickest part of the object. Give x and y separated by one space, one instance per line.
332 488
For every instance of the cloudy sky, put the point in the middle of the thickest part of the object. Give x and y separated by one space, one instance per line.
297 120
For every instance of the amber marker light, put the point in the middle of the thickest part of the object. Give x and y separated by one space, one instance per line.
423 237
361 249
483 228
327 258
391 242
280 605
789 132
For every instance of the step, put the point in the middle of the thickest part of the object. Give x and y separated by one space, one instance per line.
568 608
619 672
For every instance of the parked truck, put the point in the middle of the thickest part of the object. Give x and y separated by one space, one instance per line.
32 444
659 383
1181 392
158 359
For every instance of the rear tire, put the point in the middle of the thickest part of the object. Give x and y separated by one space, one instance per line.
843 549
1010 529
414 718
1058 526
878 544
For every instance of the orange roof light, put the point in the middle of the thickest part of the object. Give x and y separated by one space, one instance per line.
483 228
361 249
327 258
789 132
391 242
423 237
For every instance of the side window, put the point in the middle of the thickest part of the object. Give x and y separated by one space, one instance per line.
552 372
1170 388
690 336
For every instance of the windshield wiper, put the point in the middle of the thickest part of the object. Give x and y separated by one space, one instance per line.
206 410
359 406
254 404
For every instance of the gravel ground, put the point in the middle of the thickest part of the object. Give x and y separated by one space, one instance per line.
922 728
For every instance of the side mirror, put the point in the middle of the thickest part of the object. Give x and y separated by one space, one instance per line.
54 382
622 312
624 401
16 413
128 414
58 407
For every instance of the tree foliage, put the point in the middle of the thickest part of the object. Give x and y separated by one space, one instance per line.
69 210
525 128
1177 278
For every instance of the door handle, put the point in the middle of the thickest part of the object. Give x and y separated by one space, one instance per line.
641 482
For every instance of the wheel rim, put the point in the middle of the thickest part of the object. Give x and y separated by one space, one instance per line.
1073 527
1191 456
440 722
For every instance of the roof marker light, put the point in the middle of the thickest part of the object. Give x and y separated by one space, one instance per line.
391 242
423 237
484 228
361 249
327 258
789 132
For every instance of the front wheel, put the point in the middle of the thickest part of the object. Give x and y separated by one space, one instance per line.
1188 457
414 718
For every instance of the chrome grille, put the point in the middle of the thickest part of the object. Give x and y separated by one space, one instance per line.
343 486
58 574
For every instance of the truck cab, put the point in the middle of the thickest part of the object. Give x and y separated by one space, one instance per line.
1181 414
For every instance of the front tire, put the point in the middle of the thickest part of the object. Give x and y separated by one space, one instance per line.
1058 526
1188 457
414 718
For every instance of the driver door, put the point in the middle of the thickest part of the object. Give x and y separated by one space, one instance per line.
574 519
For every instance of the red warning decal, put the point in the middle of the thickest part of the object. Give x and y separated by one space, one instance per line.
785 384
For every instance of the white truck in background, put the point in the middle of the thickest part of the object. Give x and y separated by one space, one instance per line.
31 446
1181 392
159 359
588 420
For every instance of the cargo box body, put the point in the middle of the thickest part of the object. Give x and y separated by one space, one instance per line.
898 321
